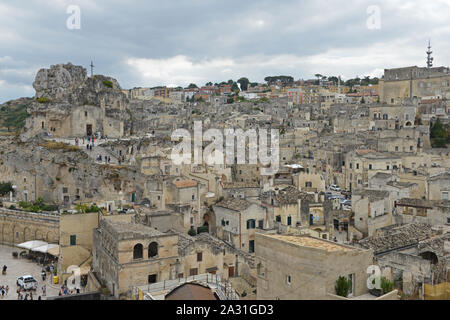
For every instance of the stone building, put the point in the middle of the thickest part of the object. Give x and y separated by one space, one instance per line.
433 213
70 104
128 254
412 255
305 268
373 210
401 84
237 220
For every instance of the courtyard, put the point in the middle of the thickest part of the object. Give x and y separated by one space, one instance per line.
19 267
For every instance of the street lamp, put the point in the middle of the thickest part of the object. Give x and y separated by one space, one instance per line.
11 193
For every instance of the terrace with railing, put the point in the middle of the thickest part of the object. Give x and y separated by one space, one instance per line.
158 291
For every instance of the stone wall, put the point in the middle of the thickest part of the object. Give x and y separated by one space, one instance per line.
19 226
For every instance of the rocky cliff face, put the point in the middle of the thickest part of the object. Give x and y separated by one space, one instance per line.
46 167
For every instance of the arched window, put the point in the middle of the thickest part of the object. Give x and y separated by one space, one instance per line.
138 251
152 250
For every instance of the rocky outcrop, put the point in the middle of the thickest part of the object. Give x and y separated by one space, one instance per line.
67 83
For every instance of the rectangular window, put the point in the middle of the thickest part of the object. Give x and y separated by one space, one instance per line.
261 224
65 190
199 256
351 277
444 195
152 278
193 272
73 240
278 218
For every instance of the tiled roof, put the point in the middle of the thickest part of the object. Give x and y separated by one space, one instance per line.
396 237
414 203
234 204
289 195
185 183
238 185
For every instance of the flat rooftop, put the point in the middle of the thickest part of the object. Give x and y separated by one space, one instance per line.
305 241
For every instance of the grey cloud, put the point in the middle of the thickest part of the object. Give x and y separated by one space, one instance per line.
34 35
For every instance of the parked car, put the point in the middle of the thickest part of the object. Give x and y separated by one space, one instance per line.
27 282
335 188
346 202
328 195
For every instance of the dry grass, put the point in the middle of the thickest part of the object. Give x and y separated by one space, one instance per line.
6 133
52 145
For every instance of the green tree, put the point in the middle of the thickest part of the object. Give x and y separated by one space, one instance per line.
318 76
82 207
192 86
438 135
386 285
343 286
235 87
334 79
244 82
5 188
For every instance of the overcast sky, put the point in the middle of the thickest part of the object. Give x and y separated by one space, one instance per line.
150 43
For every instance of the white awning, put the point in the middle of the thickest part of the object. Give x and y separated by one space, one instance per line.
294 166
32 244
47 248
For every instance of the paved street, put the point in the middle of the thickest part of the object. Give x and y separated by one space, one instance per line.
96 150
20 267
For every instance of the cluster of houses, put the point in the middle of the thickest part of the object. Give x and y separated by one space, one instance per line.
358 185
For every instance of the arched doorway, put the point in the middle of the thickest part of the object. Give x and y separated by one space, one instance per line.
430 256
38 235
27 234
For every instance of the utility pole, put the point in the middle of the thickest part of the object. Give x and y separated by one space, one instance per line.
92 68
429 57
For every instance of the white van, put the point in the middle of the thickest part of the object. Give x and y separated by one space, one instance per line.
27 283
